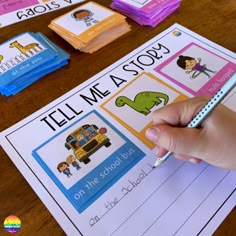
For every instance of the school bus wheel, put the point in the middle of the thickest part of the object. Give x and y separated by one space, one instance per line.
67 146
86 160
107 144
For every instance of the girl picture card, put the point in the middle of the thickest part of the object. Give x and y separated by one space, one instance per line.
87 158
13 11
197 70
90 26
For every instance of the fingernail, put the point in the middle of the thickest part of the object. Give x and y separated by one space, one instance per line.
152 134
193 160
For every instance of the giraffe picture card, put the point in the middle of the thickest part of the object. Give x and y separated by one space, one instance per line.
26 58
146 12
90 26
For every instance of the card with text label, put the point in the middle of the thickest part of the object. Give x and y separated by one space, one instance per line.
26 58
139 99
13 11
197 70
90 26
87 158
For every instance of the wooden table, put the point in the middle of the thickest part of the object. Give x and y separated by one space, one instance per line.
215 20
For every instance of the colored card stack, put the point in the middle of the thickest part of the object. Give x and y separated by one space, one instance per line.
90 27
146 12
26 58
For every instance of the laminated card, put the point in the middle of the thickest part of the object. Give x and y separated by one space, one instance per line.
90 26
13 11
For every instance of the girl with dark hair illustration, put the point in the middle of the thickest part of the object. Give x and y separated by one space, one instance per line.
190 64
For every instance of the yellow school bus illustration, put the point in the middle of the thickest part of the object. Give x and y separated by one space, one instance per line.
86 140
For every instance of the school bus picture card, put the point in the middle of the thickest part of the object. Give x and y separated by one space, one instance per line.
132 106
87 158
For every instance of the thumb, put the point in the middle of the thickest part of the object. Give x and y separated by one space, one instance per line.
180 141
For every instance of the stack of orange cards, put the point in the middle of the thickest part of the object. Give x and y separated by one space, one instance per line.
90 26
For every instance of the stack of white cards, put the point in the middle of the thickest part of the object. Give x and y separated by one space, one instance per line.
90 27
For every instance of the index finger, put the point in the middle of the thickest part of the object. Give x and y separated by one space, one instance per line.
179 113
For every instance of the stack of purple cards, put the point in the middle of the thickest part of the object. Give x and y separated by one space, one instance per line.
146 12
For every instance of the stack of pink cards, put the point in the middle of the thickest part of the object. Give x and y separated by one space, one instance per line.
90 26
146 12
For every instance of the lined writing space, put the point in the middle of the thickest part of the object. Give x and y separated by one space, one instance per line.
174 208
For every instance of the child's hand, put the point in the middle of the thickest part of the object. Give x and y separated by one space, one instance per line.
214 141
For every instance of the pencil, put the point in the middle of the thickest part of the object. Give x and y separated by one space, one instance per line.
205 111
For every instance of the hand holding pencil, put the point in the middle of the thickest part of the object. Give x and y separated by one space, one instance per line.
213 141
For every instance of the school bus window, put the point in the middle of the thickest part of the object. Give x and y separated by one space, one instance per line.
86 140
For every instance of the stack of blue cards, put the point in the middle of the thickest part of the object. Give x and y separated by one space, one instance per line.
146 12
26 58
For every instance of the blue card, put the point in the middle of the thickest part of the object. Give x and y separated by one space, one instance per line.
26 58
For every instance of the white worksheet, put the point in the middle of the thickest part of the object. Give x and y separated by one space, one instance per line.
86 155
